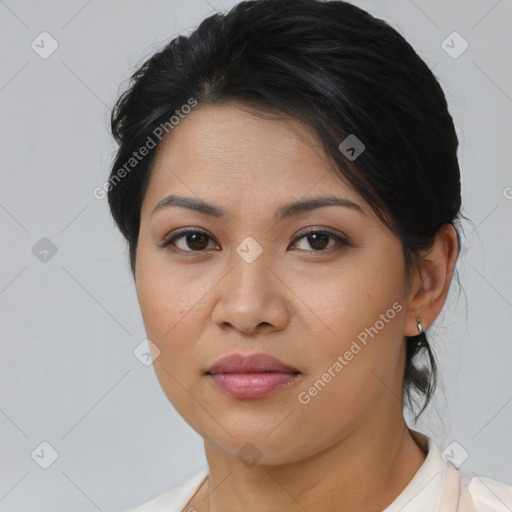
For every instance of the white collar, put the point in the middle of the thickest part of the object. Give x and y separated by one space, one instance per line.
426 489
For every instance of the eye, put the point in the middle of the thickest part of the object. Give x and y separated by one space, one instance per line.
196 240
317 239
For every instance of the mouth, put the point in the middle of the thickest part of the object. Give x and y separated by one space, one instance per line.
253 376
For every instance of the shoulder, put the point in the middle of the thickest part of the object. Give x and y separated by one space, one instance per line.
462 492
176 498
485 494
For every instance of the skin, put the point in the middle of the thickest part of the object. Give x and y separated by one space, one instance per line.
349 448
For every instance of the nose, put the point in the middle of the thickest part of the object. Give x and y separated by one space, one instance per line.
251 299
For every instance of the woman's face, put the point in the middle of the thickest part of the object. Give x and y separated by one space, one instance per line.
332 305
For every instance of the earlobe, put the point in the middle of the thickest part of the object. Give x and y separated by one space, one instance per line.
436 269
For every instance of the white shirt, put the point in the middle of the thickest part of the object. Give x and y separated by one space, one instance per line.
437 486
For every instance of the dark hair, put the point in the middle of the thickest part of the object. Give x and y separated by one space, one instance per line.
342 72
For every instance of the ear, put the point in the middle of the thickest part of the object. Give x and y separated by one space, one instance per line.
430 285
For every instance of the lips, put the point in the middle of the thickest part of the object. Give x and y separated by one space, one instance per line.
252 377
253 363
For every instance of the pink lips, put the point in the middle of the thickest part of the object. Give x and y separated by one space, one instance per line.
254 376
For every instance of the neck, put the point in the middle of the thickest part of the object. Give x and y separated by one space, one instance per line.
366 471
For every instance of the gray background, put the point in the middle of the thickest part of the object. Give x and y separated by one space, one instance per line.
69 324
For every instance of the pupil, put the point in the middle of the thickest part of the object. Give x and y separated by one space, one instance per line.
193 245
322 236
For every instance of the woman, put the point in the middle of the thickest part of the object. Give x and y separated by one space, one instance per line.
292 235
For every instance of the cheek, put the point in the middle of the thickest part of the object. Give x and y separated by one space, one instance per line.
363 310
169 308
357 296
168 300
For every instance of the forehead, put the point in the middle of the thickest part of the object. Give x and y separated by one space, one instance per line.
228 152
231 138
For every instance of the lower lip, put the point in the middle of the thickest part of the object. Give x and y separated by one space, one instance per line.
253 385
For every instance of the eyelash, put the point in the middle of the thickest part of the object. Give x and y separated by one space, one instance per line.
180 234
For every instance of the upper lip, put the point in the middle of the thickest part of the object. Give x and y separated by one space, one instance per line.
252 363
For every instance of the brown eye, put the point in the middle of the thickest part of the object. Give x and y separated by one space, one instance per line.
319 240
193 241
196 241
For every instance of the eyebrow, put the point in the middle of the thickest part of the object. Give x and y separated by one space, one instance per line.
284 212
